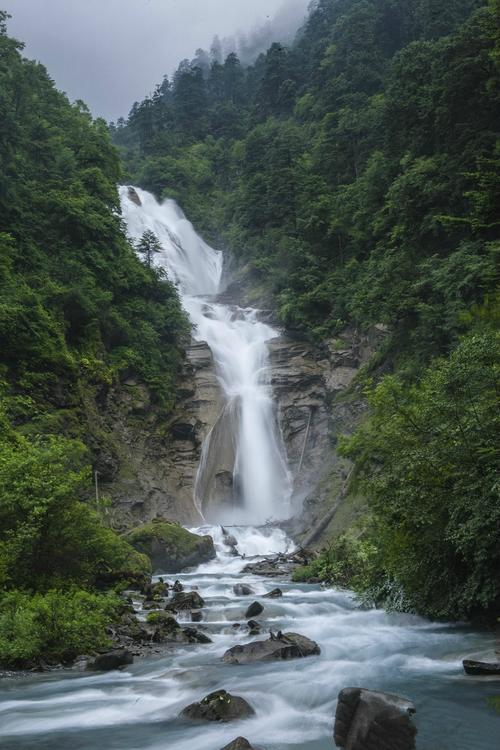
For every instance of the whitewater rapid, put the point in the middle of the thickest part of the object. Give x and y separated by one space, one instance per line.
261 482
138 709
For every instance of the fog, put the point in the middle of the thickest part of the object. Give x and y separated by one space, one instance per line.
111 53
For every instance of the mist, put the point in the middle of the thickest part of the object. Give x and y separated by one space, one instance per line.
111 53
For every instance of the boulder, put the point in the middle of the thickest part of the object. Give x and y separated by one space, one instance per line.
219 706
177 587
254 610
253 627
111 660
185 600
196 636
240 743
278 647
264 568
241 589
170 547
481 668
196 616
274 594
366 720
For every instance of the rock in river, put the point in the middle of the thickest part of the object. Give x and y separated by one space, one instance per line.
111 660
241 589
219 706
240 743
481 668
274 594
282 646
254 610
366 720
170 547
185 600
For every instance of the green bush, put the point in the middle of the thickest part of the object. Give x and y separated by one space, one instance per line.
53 627
346 563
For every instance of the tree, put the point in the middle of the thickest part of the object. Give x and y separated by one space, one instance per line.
149 245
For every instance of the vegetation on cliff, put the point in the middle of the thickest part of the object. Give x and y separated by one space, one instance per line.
79 312
356 176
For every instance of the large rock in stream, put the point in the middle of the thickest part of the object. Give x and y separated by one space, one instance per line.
240 743
276 648
366 720
219 706
170 547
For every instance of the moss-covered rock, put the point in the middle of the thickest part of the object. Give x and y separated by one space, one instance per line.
170 547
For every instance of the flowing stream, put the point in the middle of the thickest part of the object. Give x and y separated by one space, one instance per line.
138 708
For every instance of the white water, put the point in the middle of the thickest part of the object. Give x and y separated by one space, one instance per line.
294 701
238 341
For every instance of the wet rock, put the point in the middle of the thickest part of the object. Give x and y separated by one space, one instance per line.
366 720
177 587
229 539
111 660
253 627
196 636
267 568
185 600
481 668
170 547
219 706
254 610
277 647
274 594
196 616
240 743
241 589
133 196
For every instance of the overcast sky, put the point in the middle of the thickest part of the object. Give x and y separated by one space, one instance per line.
111 53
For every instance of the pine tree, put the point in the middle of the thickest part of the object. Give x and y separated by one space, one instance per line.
148 245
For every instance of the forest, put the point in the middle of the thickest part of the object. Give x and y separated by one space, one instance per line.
354 179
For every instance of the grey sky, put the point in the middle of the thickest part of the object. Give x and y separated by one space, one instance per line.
111 53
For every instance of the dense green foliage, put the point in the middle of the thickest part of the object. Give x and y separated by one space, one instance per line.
79 312
429 460
77 305
356 173
55 626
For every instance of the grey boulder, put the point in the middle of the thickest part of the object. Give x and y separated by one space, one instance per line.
240 743
185 600
219 706
241 589
366 720
274 594
481 668
277 648
111 660
254 610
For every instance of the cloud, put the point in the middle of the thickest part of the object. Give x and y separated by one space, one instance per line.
111 53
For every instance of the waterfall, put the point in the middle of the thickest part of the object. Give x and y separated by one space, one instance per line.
243 475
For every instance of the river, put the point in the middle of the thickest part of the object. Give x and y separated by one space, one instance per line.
138 708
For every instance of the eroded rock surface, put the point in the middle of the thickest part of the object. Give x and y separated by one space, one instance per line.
276 648
219 706
367 720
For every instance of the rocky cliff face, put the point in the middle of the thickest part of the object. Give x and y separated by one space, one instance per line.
316 403
154 468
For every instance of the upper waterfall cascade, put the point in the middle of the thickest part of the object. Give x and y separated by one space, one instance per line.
252 485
